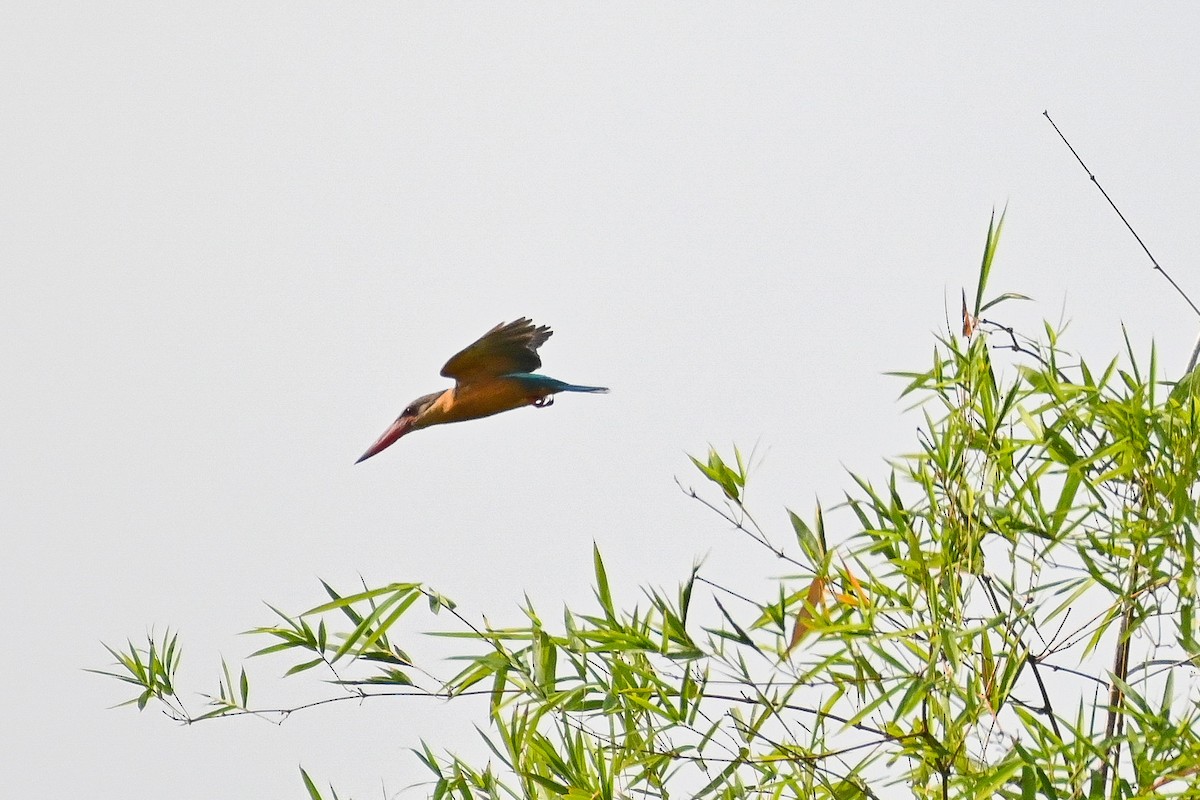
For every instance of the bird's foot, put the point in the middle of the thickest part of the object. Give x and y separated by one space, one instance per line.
542 402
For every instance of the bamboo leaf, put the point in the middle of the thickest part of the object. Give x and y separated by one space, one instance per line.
311 787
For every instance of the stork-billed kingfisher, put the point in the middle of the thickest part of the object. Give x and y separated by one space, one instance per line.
493 374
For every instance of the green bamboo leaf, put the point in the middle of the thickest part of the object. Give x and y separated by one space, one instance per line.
381 631
225 690
1066 500
1006 296
307 665
739 635
389 677
350 613
437 602
989 254
1186 388
402 594
1152 381
276 648
720 473
313 794
603 593
712 786
847 790
344 602
810 543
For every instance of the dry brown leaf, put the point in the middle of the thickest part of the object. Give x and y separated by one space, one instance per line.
813 599
859 592
968 320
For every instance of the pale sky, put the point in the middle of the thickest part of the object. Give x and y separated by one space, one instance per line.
239 238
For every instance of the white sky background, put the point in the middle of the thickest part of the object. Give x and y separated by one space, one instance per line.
238 238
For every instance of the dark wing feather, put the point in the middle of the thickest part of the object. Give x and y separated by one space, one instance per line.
506 348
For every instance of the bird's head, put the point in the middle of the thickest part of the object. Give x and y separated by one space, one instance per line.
409 420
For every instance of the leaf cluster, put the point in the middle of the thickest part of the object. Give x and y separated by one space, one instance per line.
1009 613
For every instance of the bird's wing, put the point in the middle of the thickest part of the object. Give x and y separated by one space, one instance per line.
506 348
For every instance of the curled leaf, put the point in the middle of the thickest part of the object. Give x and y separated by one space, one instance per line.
969 321
814 598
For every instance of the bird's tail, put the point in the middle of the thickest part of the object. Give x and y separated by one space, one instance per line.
553 385
571 387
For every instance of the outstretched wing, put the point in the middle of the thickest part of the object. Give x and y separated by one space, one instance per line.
506 348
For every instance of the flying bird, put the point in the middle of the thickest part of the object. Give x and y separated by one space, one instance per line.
493 374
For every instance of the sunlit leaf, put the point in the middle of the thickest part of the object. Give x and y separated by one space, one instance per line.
814 599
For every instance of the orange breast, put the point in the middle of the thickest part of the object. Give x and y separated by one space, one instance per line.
475 400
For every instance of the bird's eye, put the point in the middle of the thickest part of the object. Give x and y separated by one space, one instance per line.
408 412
